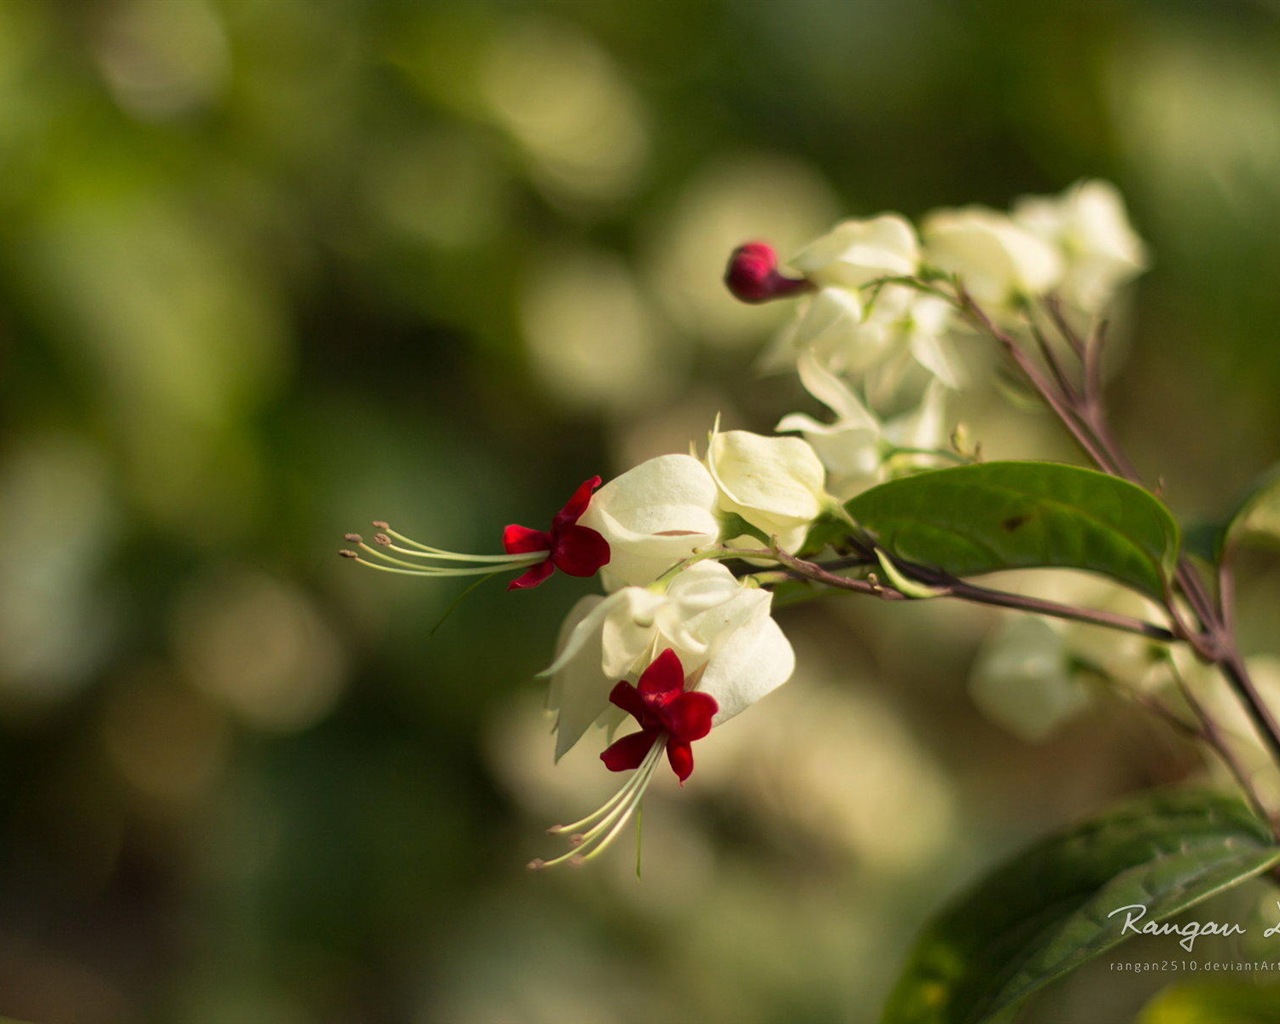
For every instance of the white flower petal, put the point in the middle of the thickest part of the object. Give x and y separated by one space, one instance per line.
998 260
752 663
834 393
628 629
653 516
856 252
1090 228
769 481
579 690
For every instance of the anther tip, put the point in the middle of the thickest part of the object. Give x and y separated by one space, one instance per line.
383 539
537 864
353 538
379 524
577 839
348 554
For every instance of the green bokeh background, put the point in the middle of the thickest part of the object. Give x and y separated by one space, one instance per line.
270 269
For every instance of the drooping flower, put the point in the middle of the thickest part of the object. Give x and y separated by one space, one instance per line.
571 547
652 517
666 711
568 546
672 714
713 621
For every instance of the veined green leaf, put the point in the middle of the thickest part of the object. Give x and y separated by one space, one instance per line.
1051 909
1017 515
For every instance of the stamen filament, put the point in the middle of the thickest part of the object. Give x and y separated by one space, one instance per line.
599 845
444 556
611 818
437 552
390 563
433 571
602 811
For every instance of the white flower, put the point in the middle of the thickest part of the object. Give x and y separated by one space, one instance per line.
826 322
878 341
856 252
653 516
702 652
1000 262
1088 225
858 449
776 484
710 619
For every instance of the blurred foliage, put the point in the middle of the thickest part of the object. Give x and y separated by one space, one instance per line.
272 268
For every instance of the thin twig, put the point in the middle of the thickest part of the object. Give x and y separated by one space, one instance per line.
1213 735
1087 422
1054 363
961 590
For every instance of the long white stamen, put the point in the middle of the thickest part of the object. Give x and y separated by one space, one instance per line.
611 818
380 557
425 550
608 806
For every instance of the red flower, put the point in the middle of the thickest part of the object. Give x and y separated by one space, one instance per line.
576 550
662 706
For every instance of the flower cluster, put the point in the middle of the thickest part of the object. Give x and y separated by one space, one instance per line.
679 640
875 333
687 546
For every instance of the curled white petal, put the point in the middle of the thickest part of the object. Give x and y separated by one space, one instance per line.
777 484
579 689
654 515
856 252
752 663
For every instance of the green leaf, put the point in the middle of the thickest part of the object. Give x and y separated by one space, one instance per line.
1020 515
1220 1002
1048 910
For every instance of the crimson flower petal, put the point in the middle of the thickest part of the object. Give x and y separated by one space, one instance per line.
532 576
680 755
664 676
576 505
627 697
663 708
579 550
629 751
521 540
689 716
